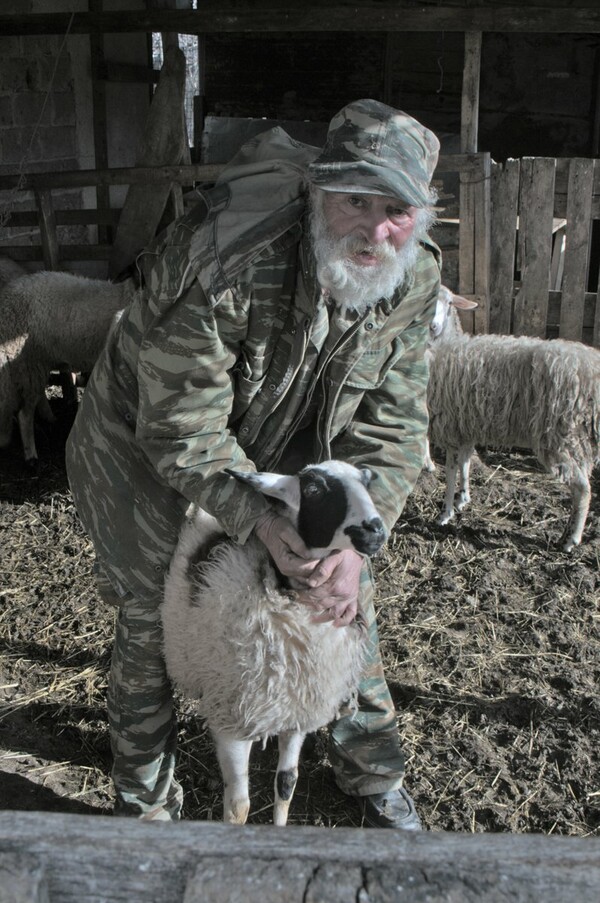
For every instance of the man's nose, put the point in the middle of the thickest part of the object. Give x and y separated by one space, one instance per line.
376 228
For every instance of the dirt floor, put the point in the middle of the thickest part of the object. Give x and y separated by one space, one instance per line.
491 638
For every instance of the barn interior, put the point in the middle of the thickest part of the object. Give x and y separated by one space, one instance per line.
112 113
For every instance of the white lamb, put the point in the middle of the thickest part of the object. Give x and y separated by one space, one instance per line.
50 321
507 391
238 641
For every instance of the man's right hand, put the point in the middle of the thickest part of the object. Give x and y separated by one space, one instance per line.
287 550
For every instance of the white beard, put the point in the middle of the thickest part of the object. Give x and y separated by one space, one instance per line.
356 287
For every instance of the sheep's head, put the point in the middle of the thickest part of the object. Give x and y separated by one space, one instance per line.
329 504
445 319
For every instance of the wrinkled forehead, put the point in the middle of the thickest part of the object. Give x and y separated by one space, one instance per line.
334 196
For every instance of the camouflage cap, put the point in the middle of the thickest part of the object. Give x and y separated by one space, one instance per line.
374 149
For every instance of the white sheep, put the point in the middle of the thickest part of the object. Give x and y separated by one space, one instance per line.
445 325
10 269
238 641
50 321
506 392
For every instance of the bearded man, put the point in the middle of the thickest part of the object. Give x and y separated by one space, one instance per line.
283 321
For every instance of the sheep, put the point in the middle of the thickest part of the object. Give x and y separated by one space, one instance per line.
507 391
9 270
445 324
237 640
50 320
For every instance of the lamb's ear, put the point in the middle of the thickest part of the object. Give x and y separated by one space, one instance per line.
366 475
276 485
462 303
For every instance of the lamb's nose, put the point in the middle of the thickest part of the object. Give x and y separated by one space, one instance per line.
369 537
375 525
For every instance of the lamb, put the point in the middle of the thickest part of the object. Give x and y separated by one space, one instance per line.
507 391
240 643
50 321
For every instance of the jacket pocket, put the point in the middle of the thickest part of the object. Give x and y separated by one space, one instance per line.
374 365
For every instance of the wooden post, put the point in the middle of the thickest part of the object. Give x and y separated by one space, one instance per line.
577 248
473 263
504 212
47 221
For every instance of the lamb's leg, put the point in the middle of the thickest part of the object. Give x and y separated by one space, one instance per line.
233 756
290 744
451 471
465 454
580 502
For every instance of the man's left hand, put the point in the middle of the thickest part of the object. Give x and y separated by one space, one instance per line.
332 588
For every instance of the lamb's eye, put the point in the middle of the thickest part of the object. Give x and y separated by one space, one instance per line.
313 490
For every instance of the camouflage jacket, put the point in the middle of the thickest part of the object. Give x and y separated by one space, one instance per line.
227 352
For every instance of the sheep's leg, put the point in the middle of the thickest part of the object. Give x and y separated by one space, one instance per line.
428 462
233 756
465 454
25 419
451 471
290 744
68 382
44 410
580 503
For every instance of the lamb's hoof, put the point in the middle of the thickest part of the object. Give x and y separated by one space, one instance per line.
237 812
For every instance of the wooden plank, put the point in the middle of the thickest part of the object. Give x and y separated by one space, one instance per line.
536 196
184 175
47 224
473 238
127 175
66 252
504 193
84 217
377 15
22 879
469 116
481 282
164 142
99 859
577 248
99 117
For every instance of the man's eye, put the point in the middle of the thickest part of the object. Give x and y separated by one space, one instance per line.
397 212
356 201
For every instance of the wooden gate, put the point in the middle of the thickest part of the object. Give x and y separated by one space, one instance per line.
543 249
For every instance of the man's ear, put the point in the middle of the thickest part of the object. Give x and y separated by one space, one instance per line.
275 485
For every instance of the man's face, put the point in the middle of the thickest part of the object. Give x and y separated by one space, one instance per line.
370 218
365 244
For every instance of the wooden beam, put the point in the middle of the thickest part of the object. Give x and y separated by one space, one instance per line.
469 116
86 857
386 15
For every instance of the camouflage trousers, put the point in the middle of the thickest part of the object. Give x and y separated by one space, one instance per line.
364 746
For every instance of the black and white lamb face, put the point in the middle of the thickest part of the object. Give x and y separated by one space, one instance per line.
329 504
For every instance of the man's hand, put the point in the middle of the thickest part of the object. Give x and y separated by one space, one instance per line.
285 547
332 588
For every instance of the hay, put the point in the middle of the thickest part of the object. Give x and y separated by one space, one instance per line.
491 641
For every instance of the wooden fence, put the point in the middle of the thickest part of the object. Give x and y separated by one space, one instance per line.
38 202
518 237
544 249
